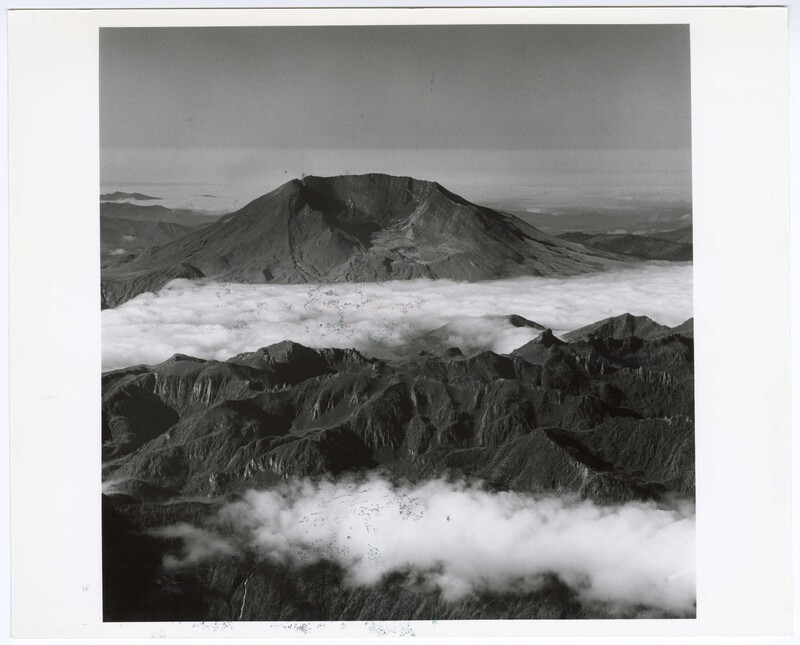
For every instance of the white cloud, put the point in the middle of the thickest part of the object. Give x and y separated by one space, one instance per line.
215 320
117 252
463 540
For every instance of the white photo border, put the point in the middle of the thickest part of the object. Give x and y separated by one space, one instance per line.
740 204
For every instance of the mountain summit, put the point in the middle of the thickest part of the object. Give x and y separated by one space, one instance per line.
356 228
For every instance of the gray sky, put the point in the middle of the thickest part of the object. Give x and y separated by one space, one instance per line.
180 94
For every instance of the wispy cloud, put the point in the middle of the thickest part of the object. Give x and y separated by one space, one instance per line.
460 539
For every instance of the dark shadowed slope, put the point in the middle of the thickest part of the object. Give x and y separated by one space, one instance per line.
685 329
361 228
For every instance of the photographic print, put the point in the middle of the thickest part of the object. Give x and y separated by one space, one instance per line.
397 323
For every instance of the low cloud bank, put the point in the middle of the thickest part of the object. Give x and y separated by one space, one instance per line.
462 540
219 320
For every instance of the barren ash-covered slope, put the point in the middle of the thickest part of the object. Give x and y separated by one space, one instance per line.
355 228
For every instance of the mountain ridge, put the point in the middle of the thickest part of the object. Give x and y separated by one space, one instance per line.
203 426
619 327
606 419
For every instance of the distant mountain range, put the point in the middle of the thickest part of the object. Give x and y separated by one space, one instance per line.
638 246
135 235
118 196
153 213
354 228
651 219
605 412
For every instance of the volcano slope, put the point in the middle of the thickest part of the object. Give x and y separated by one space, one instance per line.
355 228
608 416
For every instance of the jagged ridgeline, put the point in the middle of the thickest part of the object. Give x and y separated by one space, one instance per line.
606 413
355 228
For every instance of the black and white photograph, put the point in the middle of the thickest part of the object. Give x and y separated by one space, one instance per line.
397 323
417 322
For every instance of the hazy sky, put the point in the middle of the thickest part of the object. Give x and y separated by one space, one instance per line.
238 104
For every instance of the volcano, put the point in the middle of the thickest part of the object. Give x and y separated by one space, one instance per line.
356 228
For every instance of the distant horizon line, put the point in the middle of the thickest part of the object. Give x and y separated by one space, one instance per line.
637 188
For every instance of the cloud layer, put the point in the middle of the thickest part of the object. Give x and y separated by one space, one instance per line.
219 320
462 540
